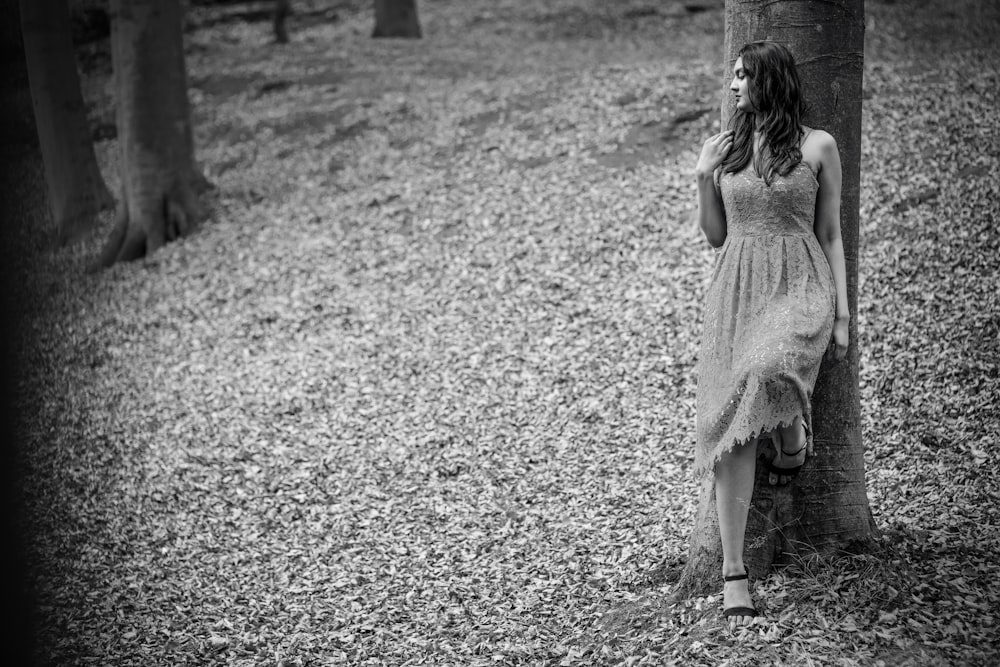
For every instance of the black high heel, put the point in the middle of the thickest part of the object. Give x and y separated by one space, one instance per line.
794 470
738 611
786 472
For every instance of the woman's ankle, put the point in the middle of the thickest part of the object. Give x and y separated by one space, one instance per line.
794 438
733 569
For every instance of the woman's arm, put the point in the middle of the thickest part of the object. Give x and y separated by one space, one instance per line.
711 214
827 228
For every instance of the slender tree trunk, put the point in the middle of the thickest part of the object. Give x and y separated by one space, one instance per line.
825 510
282 8
18 133
76 189
396 18
160 181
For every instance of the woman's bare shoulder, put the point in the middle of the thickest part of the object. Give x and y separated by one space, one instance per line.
817 146
816 140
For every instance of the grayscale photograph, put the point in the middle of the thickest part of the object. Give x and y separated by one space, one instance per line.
488 333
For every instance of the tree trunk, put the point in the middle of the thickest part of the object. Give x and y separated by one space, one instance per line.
396 18
282 8
76 189
825 509
18 134
160 181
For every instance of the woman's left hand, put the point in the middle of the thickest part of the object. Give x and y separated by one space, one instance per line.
841 338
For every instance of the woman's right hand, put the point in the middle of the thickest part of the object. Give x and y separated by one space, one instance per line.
713 152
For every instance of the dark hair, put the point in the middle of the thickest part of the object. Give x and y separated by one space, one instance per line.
778 108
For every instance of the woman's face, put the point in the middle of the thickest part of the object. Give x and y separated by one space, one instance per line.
740 87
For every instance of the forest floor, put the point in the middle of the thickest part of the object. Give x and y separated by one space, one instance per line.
420 390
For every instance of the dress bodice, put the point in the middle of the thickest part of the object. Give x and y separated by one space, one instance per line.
787 207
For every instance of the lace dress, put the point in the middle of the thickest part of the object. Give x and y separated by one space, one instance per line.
768 315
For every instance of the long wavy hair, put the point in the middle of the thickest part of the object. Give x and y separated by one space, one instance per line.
778 108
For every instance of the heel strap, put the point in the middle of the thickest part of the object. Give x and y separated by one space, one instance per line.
736 577
792 453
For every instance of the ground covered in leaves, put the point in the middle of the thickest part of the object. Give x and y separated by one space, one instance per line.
420 391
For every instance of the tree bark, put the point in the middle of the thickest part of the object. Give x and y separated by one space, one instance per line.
76 189
160 182
282 8
18 134
825 509
396 18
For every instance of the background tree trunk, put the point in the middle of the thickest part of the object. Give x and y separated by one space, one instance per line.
20 160
160 182
282 8
17 118
76 189
396 18
825 510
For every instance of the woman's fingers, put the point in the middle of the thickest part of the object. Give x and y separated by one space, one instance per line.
721 136
721 143
715 149
725 141
836 351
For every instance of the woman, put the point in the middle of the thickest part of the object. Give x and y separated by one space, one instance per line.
769 196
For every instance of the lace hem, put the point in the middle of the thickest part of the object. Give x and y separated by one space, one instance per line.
706 467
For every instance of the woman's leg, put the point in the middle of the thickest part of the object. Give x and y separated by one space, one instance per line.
734 476
788 439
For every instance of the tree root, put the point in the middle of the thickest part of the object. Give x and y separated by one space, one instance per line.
177 214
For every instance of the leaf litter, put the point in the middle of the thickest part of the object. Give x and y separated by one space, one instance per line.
420 392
